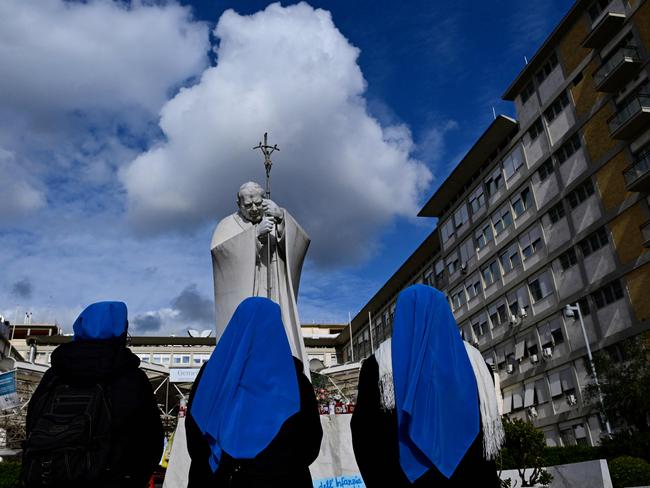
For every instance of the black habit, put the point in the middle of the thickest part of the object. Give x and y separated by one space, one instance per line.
136 429
376 448
284 462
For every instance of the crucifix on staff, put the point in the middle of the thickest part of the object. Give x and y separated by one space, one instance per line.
267 150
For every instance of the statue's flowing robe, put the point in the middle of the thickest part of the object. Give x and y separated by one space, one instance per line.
239 263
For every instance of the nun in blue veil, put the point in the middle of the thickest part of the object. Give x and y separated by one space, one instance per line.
252 415
97 355
425 403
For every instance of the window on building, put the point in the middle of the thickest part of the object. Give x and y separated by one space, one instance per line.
541 286
580 434
556 108
530 242
477 199
428 278
547 68
479 326
461 216
513 162
199 359
585 309
501 220
527 92
568 259
568 149
518 301
161 359
608 294
491 273
556 212
453 263
144 357
473 286
510 258
181 359
536 129
478 331
484 236
447 230
439 269
550 333
545 169
580 193
467 251
522 202
498 314
494 182
593 242
458 298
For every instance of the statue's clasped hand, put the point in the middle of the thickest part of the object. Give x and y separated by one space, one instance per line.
271 209
265 226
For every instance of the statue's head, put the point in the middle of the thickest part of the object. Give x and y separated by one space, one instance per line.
249 199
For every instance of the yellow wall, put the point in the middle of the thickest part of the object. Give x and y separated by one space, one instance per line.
641 20
571 51
627 235
638 283
584 93
596 134
611 181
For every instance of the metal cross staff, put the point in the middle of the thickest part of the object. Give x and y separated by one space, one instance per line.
267 150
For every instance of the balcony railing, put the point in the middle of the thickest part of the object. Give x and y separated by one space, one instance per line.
630 118
605 29
645 233
637 175
617 70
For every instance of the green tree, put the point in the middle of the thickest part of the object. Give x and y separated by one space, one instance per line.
625 384
524 448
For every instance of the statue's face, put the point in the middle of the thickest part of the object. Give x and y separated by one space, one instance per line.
250 204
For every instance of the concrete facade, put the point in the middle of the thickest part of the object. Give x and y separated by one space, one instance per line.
542 212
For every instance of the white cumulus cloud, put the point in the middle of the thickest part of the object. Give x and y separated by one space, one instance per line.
81 85
102 54
291 72
18 193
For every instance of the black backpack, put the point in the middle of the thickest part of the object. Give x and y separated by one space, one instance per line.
69 443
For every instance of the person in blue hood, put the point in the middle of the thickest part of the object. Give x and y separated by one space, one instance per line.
252 415
93 419
424 403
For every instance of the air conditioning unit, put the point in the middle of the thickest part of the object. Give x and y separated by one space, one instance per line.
532 412
513 319
548 352
571 399
534 358
522 313
510 369
463 268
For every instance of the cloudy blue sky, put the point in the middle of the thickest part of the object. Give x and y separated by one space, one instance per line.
126 128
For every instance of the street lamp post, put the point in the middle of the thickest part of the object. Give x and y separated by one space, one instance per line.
570 311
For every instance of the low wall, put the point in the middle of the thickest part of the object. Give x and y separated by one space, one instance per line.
589 474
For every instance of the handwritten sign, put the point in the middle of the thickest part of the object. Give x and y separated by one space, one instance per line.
354 481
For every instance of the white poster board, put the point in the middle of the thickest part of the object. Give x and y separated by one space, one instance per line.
183 375
8 392
334 467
